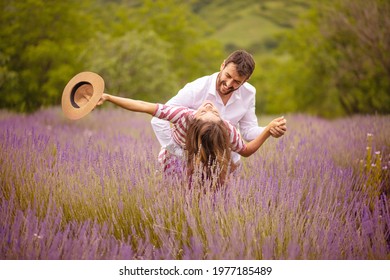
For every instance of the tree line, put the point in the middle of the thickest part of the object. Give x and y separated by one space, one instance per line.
142 49
334 62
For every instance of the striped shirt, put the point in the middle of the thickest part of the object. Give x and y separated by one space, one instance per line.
179 115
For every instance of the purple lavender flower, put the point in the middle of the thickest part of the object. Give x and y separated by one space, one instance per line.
91 190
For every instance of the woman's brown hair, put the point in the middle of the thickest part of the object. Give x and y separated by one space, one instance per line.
208 151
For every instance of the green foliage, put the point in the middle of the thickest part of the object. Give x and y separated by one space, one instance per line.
335 62
40 47
146 49
153 48
359 32
193 53
296 79
325 58
135 65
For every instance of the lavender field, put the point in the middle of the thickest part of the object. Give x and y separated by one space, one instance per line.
91 189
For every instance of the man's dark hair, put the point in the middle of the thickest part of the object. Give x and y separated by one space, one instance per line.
244 62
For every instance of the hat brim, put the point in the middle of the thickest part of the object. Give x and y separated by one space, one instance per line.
72 110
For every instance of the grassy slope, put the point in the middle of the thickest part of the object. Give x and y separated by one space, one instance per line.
251 24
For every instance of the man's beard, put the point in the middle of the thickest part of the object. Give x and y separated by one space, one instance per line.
221 84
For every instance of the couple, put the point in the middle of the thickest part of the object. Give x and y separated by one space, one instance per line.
205 115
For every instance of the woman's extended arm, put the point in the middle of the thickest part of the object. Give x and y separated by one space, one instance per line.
129 104
256 143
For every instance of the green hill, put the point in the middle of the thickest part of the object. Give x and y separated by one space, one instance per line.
250 24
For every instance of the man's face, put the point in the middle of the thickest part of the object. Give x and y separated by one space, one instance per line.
228 79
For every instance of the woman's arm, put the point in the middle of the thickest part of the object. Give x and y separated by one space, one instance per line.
256 143
129 104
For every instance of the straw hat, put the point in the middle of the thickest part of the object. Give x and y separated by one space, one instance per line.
81 94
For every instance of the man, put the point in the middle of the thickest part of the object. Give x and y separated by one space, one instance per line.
230 92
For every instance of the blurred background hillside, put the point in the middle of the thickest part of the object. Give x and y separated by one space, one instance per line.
329 59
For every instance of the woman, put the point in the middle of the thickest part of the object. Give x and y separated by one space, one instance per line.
206 139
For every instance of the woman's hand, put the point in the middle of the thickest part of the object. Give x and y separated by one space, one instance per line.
103 99
277 126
